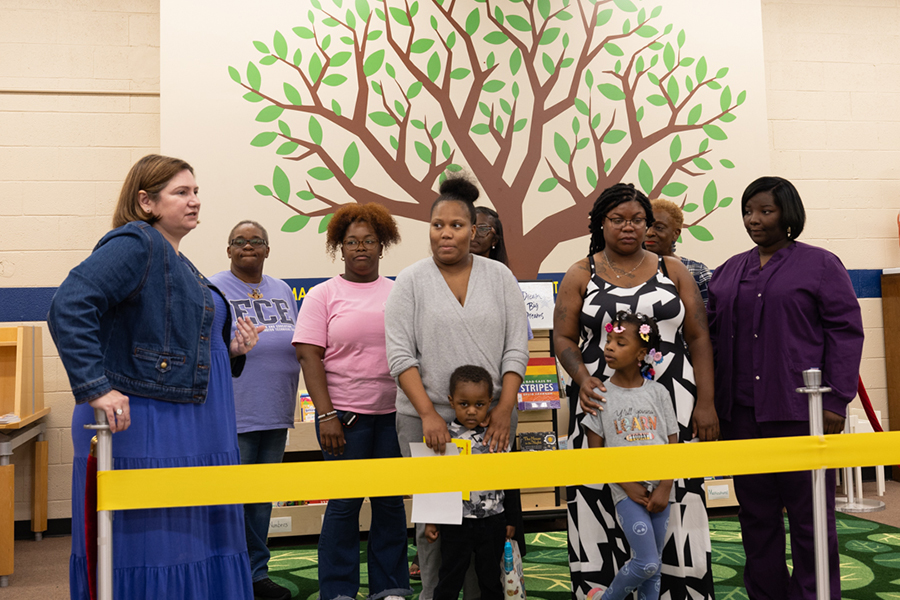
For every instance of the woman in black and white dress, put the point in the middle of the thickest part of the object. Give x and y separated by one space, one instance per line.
619 274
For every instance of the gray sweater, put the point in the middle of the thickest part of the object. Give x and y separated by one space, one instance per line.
426 327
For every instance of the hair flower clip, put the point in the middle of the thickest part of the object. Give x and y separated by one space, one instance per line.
657 357
645 337
619 329
609 327
644 328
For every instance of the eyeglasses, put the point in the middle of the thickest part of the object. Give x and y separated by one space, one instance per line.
255 242
353 244
619 222
483 230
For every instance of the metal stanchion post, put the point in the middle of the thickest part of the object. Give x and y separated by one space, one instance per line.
812 378
104 517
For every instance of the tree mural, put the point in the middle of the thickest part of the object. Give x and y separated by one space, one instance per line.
544 101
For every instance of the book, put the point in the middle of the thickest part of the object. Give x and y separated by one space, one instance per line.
536 441
540 386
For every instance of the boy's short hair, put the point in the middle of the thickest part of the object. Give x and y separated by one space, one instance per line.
472 374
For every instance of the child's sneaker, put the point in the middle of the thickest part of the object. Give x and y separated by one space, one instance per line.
266 589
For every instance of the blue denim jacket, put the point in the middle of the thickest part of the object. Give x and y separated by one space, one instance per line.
136 316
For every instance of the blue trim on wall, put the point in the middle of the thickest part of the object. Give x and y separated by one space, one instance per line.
32 304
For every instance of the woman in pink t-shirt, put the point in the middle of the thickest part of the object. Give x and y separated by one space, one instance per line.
341 348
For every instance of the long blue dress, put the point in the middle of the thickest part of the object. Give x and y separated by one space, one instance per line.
194 553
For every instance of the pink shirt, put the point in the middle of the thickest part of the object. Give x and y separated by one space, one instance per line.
347 320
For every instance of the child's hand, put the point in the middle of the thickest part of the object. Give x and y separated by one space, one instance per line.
636 492
659 499
432 532
510 532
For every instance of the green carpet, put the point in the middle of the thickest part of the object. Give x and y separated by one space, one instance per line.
870 563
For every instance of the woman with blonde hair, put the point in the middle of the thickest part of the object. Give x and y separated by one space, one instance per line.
668 221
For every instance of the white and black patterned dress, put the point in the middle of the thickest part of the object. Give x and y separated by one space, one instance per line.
597 546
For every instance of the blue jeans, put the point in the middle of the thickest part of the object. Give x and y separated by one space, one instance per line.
260 447
646 534
372 436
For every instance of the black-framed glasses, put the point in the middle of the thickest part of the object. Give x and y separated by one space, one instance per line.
483 230
369 243
619 222
255 242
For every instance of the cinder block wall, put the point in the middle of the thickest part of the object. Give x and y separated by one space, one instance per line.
833 90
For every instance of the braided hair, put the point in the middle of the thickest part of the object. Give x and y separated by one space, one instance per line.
652 342
610 198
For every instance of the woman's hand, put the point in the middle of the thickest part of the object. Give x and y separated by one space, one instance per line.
588 398
497 422
832 422
331 436
115 405
636 492
432 532
510 532
246 336
705 423
434 429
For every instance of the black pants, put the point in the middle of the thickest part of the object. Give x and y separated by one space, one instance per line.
485 538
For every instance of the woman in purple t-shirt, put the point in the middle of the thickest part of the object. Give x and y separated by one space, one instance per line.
341 347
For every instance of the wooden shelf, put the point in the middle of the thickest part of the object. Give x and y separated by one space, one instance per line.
720 493
302 438
307 519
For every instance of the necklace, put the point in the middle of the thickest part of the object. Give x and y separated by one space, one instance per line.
254 291
622 271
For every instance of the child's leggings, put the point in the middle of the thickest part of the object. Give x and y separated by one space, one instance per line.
646 534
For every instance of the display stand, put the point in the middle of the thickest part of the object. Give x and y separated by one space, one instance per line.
21 394
890 308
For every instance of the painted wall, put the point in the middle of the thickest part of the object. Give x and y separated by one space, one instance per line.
833 101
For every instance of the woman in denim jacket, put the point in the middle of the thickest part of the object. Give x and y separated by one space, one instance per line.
144 337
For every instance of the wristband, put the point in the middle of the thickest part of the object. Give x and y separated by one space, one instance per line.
333 413
325 420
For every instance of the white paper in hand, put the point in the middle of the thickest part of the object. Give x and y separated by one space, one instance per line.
445 508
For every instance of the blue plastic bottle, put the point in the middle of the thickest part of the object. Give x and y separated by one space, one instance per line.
507 557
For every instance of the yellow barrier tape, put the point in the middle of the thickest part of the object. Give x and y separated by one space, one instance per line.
198 486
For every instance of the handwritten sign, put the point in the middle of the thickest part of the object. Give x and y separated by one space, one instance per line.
538 296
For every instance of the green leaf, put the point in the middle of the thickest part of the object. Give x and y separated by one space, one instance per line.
334 80
721 72
280 44
350 18
613 49
656 47
268 60
295 224
374 35
657 100
413 9
715 132
607 165
611 91
520 125
515 61
710 197
690 207
563 16
424 152
741 97
498 14
269 114
373 63
315 131
315 67
481 129
591 177
420 46
702 163
576 125
362 9
473 21
377 87
603 17
401 110
549 36
669 57
562 148
445 149
582 107
394 143
233 73
595 121
494 85
323 224
351 160
645 176
518 23
485 109
496 38
725 98
681 38
548 184
284 129
434 66
263 139
287 148
714 85
675 148
304 33
261 47
436 129
727 118
498 124
548 63
674 189
253 76
252 97
418 124
389 69
298 57
515 90
647 31
672 89
567 62
340 59
639 114
689 83
701 233
399 16
281 184
262 190
626 27
725 202
694 115
614 136
582 143
505 106
626 5
320 173
544 8
700 69
704 145
726 163
451 39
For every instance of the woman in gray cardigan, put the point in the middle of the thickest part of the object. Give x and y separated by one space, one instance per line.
451 309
